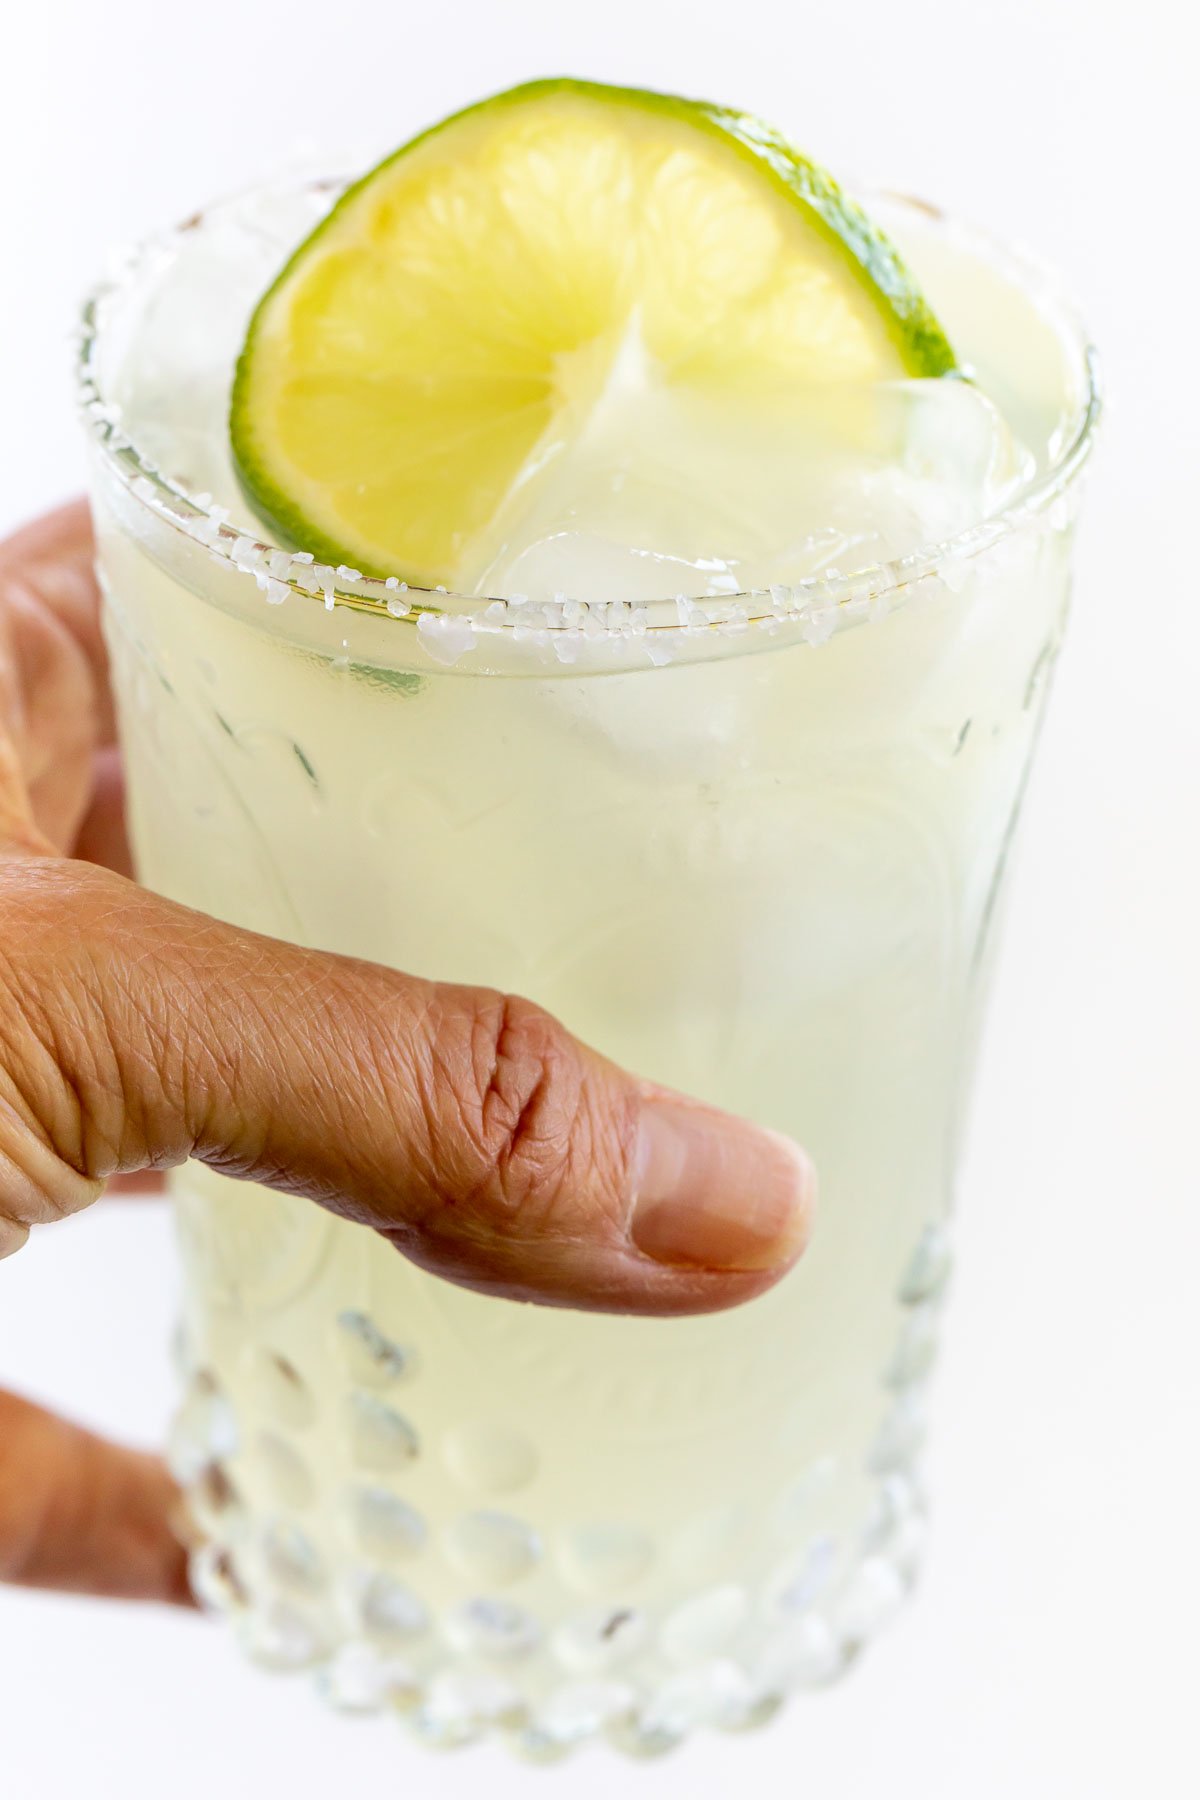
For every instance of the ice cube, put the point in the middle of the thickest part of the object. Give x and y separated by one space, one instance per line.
722 494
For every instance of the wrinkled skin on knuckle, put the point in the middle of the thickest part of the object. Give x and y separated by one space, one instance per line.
535 1138
43 1172
85 1029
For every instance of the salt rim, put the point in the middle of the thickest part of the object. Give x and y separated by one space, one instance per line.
447 622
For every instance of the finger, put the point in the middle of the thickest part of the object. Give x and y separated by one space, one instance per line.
67 527
55 708
50 708
56 555
81 1514
102 837
467 1126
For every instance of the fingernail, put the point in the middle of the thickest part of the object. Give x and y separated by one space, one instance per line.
12 1236
716 1192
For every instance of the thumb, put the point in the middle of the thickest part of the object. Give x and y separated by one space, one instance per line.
467 1126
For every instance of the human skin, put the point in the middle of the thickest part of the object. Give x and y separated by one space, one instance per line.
466 1126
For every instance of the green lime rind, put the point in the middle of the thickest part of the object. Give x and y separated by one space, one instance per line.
872 259
923 345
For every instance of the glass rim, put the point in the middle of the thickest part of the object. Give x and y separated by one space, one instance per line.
277 570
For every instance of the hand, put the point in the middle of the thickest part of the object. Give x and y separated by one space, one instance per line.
466 1126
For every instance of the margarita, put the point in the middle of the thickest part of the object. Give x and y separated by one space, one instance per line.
713 745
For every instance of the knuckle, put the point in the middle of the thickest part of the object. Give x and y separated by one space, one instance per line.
538 1133
37 1185
530 1101
57 1096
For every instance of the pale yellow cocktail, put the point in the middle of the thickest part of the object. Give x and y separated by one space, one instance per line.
749 846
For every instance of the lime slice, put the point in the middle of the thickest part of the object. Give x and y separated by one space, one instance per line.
452 323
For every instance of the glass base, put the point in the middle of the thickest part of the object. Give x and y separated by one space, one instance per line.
427 1551
733 1685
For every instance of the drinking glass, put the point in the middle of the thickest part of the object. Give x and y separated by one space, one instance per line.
751 848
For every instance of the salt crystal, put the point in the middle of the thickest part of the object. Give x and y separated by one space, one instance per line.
930 587
445 637
247 555
957 573
817 627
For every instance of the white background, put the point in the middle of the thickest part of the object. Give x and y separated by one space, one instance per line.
1055 1645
